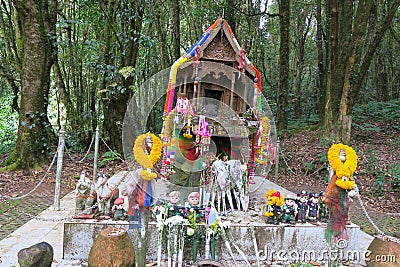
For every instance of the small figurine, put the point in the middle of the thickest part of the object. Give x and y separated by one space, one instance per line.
194 199
159 210
124 193
118 209
289 210
274 206
193 207
323 209
302 206
85 197
173 200
106 194
313 207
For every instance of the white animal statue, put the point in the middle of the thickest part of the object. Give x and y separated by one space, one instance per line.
236 177
221 173
85 197
106 193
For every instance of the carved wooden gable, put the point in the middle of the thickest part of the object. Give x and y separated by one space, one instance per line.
220 48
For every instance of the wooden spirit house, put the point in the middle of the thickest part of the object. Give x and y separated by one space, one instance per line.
214 102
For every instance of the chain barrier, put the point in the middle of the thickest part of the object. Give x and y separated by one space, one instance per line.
6 199
385 236
284 159
115 154
87 152
37 217
36 186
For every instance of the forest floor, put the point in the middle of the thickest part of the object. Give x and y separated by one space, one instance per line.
302 166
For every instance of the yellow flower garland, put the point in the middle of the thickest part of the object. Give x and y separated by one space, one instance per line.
147 161
343 170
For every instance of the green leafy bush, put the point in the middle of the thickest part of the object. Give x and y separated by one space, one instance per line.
108 157
387 112
8 127
395 173
372 167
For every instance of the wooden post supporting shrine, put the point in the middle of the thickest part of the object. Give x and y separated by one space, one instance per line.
232 90
185 85
245 99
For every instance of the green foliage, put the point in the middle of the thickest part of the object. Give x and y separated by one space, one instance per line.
126 71
310 166
108 157
8 126
366 116
372 167
379 184
301 264
395 173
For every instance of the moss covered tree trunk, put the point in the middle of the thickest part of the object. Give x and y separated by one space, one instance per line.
34 127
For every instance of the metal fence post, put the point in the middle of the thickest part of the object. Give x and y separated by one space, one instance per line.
96 154
60 153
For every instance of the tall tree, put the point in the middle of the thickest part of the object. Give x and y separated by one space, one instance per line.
34 130
351 53
10 54
321 75
164 57
115 98
283 90
303 23
177 29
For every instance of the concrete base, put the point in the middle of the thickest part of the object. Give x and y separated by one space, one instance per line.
275 243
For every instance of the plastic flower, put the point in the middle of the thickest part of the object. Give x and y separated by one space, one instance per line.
269 214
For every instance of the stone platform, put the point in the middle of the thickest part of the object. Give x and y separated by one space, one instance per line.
284 242
274 242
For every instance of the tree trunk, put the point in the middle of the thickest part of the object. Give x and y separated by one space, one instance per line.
176 29
355 58
357 42
164 57
329 119
321 81
303 25
381 79
230 14
34 130
283 90
115 105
